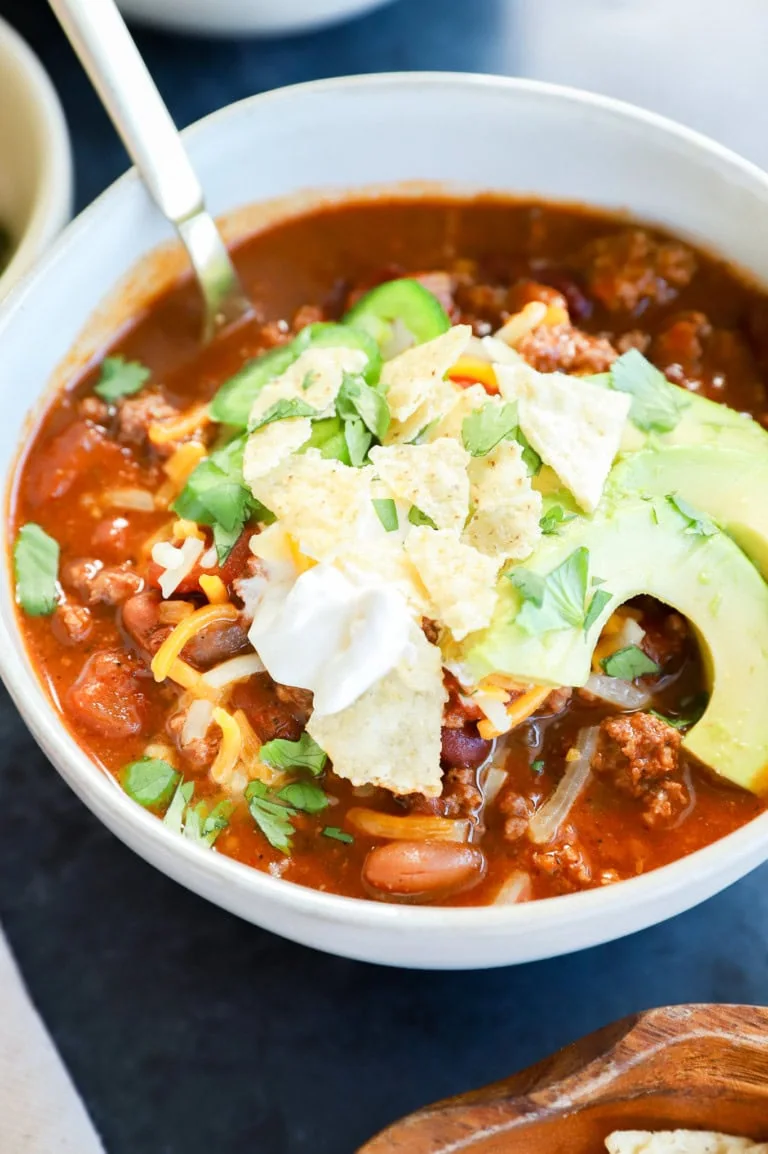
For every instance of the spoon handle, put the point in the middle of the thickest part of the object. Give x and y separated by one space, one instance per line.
109 55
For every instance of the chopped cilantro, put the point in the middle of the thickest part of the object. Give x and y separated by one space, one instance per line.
693 710
150 781
697 524
305 796
656 404
531 458
287 407
423 434
120 378
358 440
416 517
356 398
600 599
271 816
309 380
386 511
483 429
554 517
328 437
537 766
197 823
302 754
36 570
557 601
629 663
337 834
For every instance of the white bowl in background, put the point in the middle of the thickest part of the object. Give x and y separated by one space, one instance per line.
35 156
516 136
243 17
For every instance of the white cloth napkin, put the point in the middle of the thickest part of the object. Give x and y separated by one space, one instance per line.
40 1109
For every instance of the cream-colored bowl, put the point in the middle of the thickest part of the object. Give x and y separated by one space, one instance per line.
35 157
243 17
510 135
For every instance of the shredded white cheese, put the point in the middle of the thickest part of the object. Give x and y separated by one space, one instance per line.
176 561
236 669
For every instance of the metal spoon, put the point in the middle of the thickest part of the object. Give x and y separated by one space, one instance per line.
107 51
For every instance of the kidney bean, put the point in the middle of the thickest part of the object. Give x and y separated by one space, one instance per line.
422 869
463 747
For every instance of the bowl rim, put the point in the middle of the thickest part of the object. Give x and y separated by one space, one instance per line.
54 190
718 864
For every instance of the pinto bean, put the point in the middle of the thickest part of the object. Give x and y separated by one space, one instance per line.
463 747
422 869
106 699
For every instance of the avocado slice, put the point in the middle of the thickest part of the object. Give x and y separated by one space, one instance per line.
637 547
723 483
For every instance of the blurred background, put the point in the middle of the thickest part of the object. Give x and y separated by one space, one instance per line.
186 1030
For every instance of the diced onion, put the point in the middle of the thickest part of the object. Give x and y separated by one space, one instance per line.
517 888
494 709
617 692
547 820
494 780
197 720
400 338
236 669
413 827
178 563
250 590
477 350
209 558
138 499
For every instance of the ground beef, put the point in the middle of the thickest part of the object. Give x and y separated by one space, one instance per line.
68 459
567 864
517 811
553 348
679 348
557 700
199 753
634 339
140 620
630 270
299 701
461 796
71 624
94 409
99 584
442 285
268 715
526 291
640 754
666 639
136 414
306 315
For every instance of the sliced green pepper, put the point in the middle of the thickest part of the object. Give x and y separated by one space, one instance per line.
405 300
233 401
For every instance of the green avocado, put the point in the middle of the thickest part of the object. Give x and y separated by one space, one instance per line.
634 547
724 483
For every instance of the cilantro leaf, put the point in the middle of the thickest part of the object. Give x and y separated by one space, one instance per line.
358 440
698 524
305 796
386 511
531 458
302 754
596 606
557 601
150 781
629 663
271 816
120 378
693 708
234 400
337 834
554 517
328 437
282 409
537 766
656 404
356 398
483 429
416 517
36 570
197 823
423 434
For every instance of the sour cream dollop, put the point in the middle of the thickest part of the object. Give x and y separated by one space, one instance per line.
331 635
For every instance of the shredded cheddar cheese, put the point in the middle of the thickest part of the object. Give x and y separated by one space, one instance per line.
250 753
180 464
177 428
183 529
229 751
169 651
214 589
474 369
517 712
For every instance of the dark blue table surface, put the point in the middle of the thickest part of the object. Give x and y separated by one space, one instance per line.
185 1029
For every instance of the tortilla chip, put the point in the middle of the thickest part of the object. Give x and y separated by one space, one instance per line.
507 510
460 581
314 378
433 477
412 376
271 444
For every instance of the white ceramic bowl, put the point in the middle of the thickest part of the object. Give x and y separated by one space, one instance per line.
35 159
243 17
512 135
